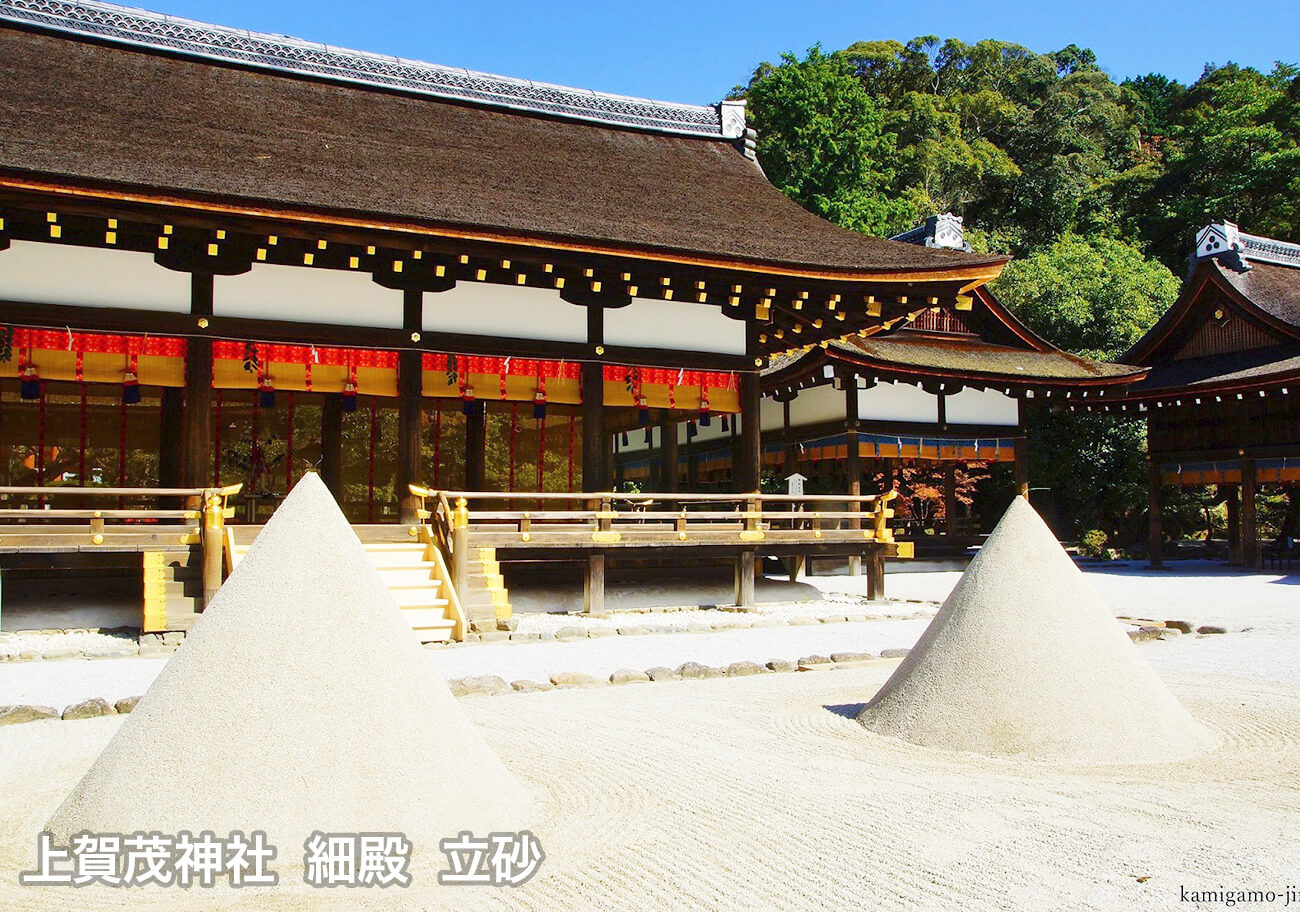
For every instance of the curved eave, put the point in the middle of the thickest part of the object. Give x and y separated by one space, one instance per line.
895 369
972 276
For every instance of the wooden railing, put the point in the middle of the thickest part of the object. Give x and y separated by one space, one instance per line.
206 505
592 524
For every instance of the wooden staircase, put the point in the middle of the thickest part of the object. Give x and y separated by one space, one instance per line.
414 574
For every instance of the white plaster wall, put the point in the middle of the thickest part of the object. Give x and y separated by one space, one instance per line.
973 406
897 402
818 404
90 277
653 323
516 311
301 294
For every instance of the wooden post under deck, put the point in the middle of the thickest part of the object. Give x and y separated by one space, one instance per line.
745 578
331 443
1232 495
853 461
1022 468
410 389
1250 556
950 499
1155 534
593 595
876 574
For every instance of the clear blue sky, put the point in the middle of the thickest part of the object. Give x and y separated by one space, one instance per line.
696 51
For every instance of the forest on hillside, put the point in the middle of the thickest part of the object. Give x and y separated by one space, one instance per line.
1097 187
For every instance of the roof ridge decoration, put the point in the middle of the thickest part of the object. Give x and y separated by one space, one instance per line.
941 230
279 53
1237 248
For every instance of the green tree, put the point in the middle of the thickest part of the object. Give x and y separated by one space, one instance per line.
821 142
1093 296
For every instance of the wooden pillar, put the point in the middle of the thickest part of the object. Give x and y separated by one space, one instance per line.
1155 532
745 578
876 573
749 470
1250 556
1232 496
331 444
170 421
476 447
1022 468
594 468
853 460
668 453
593 600
410 391
196 430
950 498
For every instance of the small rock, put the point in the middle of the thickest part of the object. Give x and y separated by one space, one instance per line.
574 679
88 709
1170 633
765 622
173 637
1143 634
697 627
472 637
801 621
157 652
525 637
629 676
815 660
510 624
112 652
126 704
855 618
571 633
602 632
546 636
743 669
531 686
1180 626
478 685
696 670
632 631
13 714
660 673
494 636
782 665
60 652
894 653
1210 628
29 655
850 656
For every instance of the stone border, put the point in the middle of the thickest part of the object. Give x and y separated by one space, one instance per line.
145 646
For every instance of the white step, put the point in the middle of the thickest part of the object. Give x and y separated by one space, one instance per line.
409 576
417 597
427 619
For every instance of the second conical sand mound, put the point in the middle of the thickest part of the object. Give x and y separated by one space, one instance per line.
1025 658
299 702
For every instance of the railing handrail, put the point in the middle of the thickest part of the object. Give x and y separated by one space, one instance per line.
60 490
696 496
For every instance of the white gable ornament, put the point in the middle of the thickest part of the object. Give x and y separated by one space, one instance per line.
1218 238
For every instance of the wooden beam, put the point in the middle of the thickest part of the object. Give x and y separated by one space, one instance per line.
331 443
1232 497
1250 555
595 471
196 429
1155 534
852 458
950 498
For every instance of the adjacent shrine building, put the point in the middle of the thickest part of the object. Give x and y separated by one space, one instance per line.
1224 363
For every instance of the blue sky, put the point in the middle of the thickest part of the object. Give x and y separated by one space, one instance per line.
695 51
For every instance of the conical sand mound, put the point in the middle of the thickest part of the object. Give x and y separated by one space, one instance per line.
1025 658
299 702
